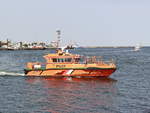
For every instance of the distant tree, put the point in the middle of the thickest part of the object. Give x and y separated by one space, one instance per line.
25 45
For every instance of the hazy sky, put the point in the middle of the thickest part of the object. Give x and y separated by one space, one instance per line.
86 22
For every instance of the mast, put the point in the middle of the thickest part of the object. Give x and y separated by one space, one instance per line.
58 38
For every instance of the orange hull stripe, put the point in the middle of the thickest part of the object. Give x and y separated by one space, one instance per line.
103 72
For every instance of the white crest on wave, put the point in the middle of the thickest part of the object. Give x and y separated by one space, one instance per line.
11 73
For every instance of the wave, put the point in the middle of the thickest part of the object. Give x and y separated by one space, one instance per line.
11 73
123 51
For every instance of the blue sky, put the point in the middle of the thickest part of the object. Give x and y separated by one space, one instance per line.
86 22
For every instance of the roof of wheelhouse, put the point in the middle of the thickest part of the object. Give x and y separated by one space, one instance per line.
61 54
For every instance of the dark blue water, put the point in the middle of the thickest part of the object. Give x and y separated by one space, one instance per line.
126 91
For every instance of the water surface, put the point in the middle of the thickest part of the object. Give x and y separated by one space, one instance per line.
126 91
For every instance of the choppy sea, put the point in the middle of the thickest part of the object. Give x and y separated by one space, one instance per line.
125 91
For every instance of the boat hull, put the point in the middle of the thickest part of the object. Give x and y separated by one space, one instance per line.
71 72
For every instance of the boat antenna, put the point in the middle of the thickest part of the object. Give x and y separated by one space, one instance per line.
58 38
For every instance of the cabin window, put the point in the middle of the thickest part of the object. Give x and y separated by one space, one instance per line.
58 60
54 60
77 59
62 59
67 59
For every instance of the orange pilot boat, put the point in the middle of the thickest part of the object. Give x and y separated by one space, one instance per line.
64 64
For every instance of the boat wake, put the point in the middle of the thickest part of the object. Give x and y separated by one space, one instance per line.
4 73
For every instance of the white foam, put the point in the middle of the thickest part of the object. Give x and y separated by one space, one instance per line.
11 73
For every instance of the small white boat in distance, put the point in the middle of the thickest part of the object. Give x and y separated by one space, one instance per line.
137 48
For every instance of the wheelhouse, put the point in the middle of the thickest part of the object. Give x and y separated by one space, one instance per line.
62 58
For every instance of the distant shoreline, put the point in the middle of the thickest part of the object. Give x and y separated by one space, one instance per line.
11 49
